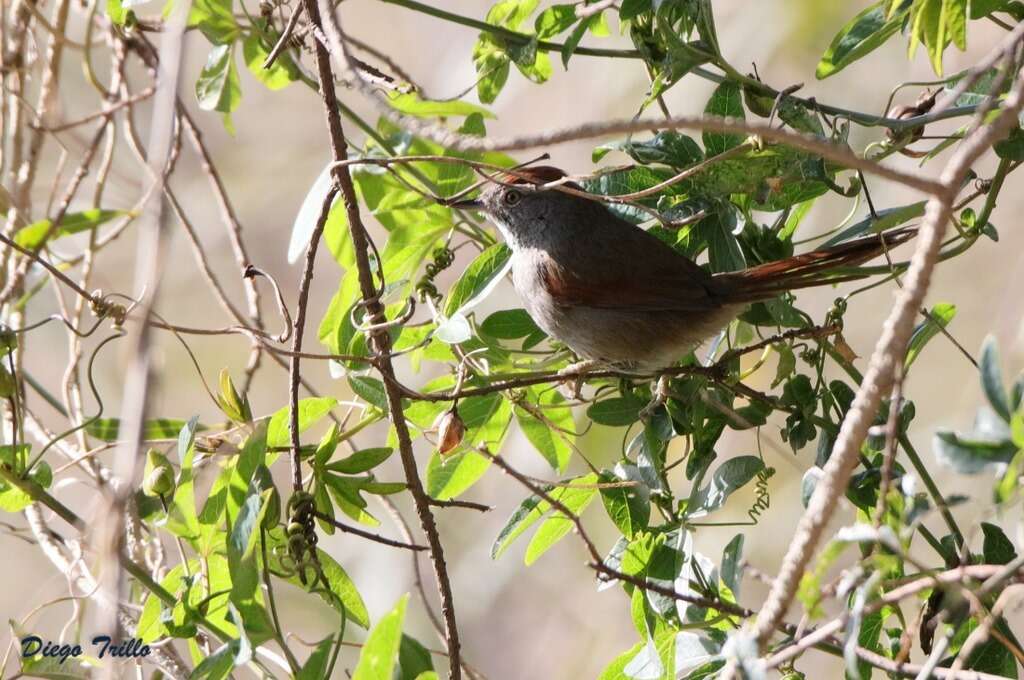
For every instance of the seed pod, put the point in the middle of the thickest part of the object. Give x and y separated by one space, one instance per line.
8 385
450 431
159 478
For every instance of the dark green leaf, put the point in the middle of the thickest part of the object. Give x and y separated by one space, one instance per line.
998 549
413 659
509 324
726 101
315 667
617 411
992 378
730 476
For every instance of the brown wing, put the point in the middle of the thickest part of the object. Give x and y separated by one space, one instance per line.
672 286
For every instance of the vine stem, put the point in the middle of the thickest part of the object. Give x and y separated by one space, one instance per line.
380 340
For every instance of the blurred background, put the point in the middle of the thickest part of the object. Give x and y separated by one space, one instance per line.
548 620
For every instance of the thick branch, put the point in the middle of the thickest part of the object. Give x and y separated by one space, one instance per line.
380 340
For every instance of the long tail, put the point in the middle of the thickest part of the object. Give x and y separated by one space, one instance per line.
816 268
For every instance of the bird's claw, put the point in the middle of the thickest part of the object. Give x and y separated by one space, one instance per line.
575 374
661 395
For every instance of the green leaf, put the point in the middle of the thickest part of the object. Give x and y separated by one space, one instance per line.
616 669
219 664
954 16
726 101
183 521
492 68
361 461
970 456
108 429
998 549
311 410
554 20
631 9
730 476
573 41
628 507
216 20
1010 148
13 499
478 279
666 148
315 667
281 73
939 317
410 103
380 652
218 87
992 378
370 390
341 593
553 436
575 499
731 560
617 411
413 660
509 324
486 420
862 35
35 235
525 516
881 221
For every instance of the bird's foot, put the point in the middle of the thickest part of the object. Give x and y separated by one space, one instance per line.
575 374
661 395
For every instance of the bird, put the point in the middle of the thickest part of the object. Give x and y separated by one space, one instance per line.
619 296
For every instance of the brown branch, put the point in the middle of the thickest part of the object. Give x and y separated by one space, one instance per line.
380 340
469 505
367 534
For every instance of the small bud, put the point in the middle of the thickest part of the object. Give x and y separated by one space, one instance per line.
159 478
264 483
450 431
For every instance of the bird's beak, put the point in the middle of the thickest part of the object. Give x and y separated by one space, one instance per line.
467 204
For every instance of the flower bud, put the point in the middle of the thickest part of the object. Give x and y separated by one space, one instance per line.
159 476
450 431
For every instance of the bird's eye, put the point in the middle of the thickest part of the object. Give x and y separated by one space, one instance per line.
511 197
